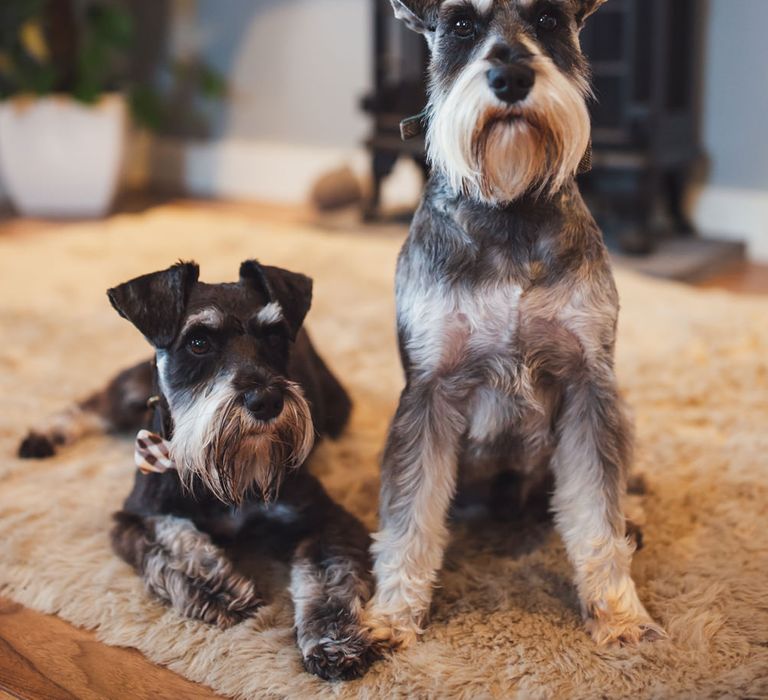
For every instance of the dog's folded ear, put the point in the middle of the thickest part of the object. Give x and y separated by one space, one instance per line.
585 8
418 15
155 303
291 290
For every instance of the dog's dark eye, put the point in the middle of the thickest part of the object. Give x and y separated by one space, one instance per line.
547 21
275 336
198 345
464 28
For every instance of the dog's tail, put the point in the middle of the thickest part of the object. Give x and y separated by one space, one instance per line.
120 406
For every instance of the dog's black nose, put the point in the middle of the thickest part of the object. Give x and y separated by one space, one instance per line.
264 404
511 83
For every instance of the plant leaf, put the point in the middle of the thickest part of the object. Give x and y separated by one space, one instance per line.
147 107
213 85
33 40
111 25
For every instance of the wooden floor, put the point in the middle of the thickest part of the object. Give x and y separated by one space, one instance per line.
746 278
43 657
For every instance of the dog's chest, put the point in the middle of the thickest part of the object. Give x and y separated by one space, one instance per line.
448 327
229 522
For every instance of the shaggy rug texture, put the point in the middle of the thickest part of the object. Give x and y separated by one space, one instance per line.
694 366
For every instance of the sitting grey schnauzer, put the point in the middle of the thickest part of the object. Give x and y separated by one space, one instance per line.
507 314
237 394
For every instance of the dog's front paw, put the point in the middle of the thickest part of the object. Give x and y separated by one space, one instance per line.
183 567
225 603
334 643
343 656
390 632
617 629
36 446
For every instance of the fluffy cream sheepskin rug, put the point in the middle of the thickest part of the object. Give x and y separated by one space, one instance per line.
694 365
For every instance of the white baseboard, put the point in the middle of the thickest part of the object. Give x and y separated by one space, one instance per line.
234 169
284 173
267 171
741 214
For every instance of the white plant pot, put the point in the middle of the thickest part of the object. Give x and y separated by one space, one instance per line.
60 158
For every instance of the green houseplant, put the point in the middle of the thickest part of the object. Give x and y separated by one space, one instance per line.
67 91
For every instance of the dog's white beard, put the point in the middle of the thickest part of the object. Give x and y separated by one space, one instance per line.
495 152
216 439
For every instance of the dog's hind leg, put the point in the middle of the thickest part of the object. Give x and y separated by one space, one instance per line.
120 406
330 585
180 565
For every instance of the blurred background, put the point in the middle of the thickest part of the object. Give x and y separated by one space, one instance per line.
109 106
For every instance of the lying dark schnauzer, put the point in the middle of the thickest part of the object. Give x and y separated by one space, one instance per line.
237 394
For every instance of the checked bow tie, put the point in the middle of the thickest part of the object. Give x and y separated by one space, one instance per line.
152 453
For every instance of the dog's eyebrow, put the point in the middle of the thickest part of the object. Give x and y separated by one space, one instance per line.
211 317
528 4
271 313
482 7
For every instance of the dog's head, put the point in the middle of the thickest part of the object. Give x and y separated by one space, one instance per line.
508 92
222 359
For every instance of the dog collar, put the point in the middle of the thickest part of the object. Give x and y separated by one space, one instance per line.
152 454
414 126
586 162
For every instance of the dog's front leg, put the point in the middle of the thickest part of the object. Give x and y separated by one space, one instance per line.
181 566
590 463
418 483
330 585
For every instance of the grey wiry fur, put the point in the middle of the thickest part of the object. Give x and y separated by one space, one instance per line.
240 395
181 566
507 315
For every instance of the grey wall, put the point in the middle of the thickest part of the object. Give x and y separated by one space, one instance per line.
296 68
736 94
